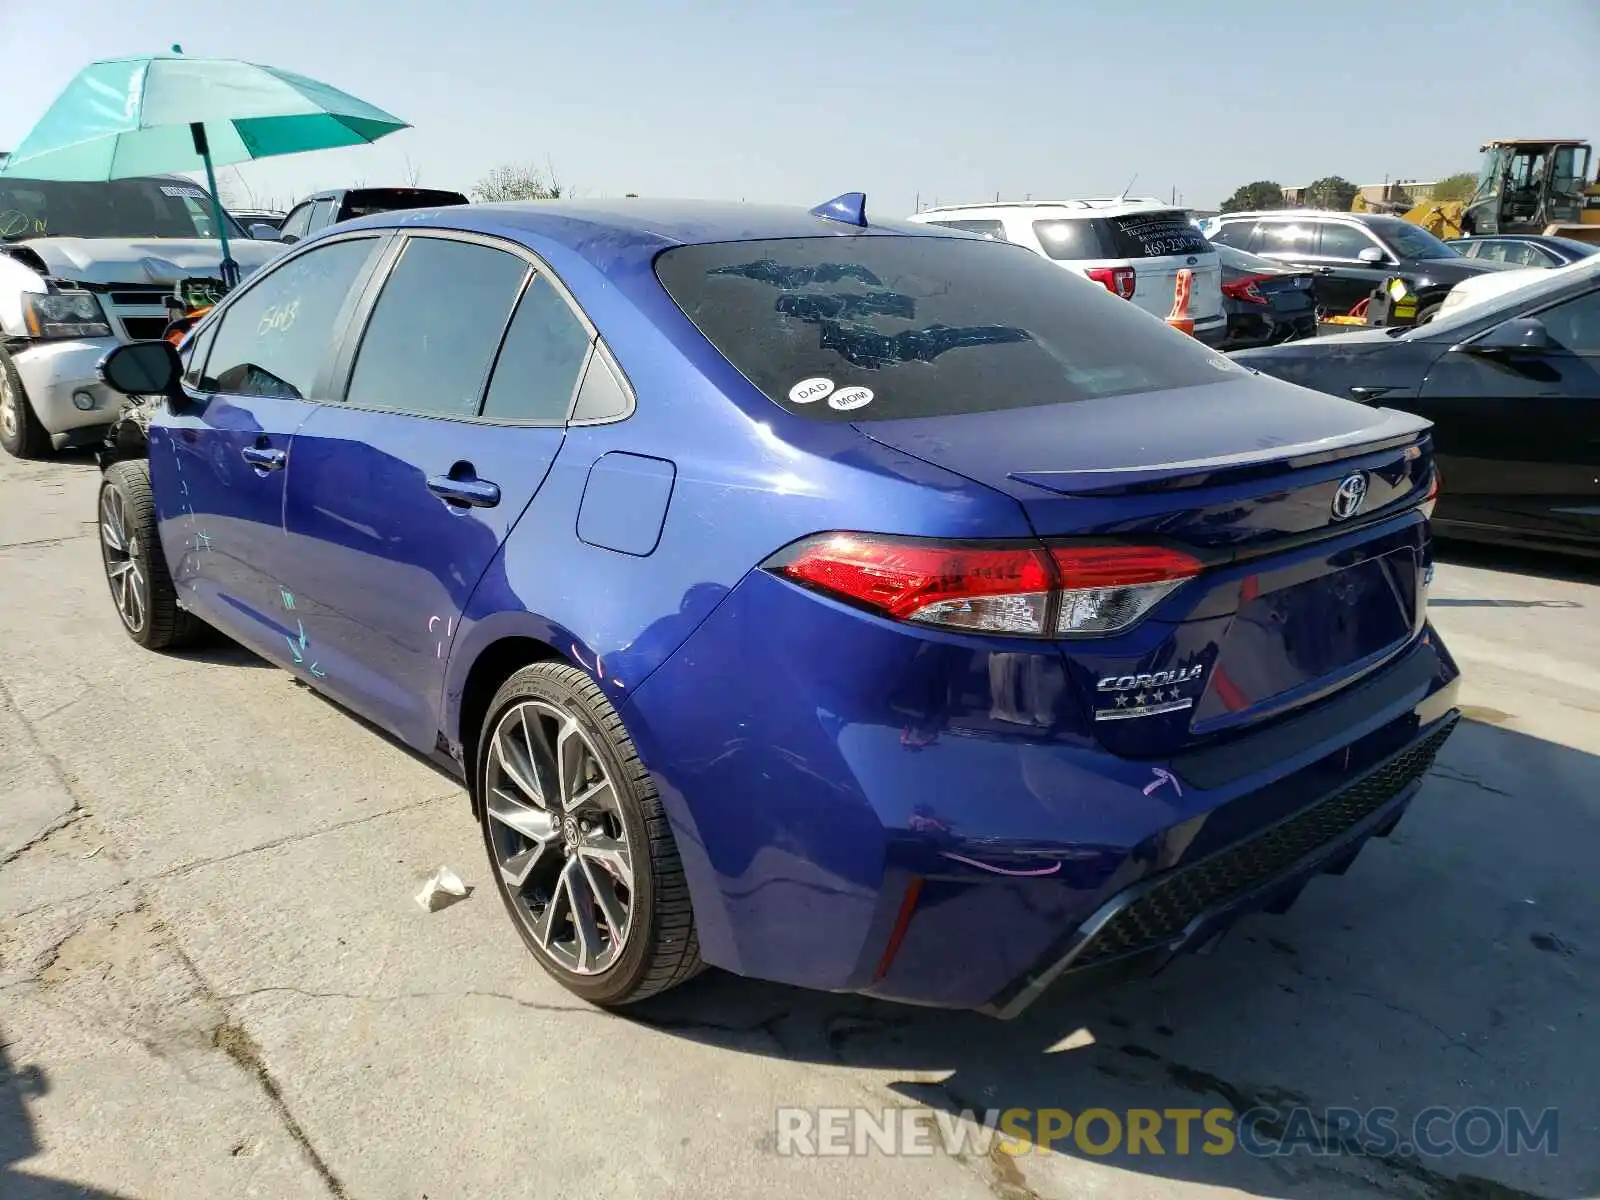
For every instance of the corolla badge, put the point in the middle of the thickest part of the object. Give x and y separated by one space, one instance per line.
1146 695
1351 495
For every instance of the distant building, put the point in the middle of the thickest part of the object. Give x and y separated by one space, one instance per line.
1395 191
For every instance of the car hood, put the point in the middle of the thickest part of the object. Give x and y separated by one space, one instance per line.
1368 359
144 260
1486 287
1452 269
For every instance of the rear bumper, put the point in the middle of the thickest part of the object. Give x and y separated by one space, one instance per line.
929 819
60 380
1142 928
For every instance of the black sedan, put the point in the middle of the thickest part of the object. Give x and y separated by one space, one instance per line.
1266 302
1512 386
1523 250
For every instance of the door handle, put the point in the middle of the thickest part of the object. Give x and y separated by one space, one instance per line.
1323 270
264 458
474 493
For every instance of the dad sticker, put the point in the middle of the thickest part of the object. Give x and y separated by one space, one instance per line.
809 390
850 397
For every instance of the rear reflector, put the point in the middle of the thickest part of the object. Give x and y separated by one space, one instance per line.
1020 590
1432 497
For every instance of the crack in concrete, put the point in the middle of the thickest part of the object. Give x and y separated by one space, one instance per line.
308 994
6 547
187 868
1401 1010
1455 776
65 821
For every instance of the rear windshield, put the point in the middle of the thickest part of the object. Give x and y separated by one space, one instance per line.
1156 234
879 327
367 201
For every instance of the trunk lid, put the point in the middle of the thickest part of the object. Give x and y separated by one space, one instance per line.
1295 602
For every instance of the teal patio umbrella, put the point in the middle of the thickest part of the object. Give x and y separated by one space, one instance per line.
167 113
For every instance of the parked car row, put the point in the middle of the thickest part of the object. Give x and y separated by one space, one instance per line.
1350 254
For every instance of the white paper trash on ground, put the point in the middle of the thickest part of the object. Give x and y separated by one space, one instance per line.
444 887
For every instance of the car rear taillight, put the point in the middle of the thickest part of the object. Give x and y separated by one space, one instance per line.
1063 591
1432 497
1107 588
1245 289
1119 281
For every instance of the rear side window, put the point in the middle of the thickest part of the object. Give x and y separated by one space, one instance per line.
435 328
995 230
878 327
1155 235
538 367
1072 240
1233 233
1284 237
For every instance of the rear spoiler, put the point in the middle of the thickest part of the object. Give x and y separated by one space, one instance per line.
1396 429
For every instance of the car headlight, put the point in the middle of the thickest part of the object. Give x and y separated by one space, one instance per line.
65 315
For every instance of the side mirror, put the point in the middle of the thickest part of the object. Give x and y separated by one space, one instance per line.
142 369
288 239
1373 256
262 232
1520 335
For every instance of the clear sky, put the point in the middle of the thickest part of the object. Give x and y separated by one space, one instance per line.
796 103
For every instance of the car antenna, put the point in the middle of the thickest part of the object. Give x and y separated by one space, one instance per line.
1129 188
850 209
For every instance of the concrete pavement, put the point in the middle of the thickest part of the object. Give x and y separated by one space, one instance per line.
214 980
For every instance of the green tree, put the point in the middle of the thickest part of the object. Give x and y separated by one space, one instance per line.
518 181
1456 187
1332 192
1252 196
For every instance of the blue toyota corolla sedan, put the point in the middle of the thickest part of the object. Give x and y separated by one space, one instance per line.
854 604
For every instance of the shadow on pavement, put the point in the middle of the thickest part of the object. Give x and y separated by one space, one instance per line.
1452 966
1537 563
19 1138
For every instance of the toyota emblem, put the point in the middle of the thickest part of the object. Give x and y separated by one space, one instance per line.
1351 495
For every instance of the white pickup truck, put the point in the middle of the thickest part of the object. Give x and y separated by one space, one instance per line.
84 266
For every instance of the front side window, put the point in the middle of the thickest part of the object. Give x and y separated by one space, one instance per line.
273 339
1344 241
1574 325
298 223
870 327
538 367
435 328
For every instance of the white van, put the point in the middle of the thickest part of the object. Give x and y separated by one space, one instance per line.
1135 247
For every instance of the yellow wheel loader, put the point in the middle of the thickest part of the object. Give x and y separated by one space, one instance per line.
1525 185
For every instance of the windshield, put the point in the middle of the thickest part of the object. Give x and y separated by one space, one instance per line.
883 327
1411 241
121 208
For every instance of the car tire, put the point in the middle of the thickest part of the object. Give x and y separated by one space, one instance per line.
135 566
20 432
580 850
1428 312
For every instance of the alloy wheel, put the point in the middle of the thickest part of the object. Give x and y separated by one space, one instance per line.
558 838
120 549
